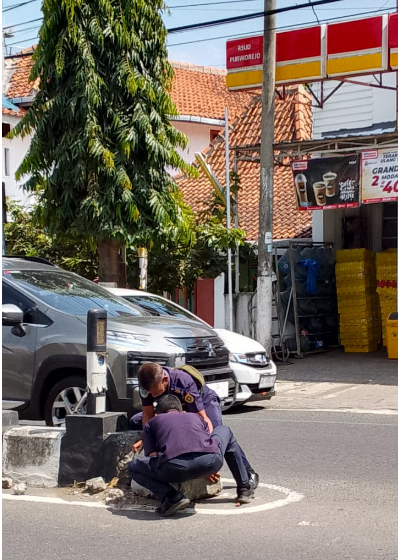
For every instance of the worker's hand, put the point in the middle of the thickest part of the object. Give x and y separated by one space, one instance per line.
137 446
214 477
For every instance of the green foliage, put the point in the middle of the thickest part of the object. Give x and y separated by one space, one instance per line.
176 265
102 137
25 236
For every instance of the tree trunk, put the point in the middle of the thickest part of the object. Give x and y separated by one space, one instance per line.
111 265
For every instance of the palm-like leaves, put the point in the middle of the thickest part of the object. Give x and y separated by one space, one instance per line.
102 138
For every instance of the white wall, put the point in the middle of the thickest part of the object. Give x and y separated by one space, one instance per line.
18 148
198 134
355 107
199 138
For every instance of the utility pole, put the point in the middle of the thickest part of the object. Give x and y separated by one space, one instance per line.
264 278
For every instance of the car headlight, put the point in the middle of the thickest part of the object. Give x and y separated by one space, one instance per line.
123 338
259 359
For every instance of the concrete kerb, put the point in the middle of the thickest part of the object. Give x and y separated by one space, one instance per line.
45 457
31 454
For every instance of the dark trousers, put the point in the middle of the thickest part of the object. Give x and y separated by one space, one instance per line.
158 479
211 403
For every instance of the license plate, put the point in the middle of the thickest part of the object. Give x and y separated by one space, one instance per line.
266 381
220 388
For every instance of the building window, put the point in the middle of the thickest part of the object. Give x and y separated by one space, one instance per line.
6 129
6 167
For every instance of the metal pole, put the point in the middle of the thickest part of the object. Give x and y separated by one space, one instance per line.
237 266
143 267
228 197
96 361
264 280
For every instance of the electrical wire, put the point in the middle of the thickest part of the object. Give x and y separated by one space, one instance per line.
315 14
251 33
256 15
22 23
22 41
23 30
211 4
15 6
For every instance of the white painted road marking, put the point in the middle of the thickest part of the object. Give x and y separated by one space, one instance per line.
290 497
378 412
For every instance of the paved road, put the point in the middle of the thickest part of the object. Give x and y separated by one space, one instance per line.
344 464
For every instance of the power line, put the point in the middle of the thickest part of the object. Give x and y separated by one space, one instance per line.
22 41
315 14
307 6
22 23
256 15
15 6
23 30
212 4
250 33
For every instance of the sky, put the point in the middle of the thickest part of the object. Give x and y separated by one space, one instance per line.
204 47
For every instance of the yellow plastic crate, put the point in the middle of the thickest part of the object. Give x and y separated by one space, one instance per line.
371 347
348 255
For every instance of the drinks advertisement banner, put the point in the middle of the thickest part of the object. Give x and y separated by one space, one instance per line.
380 175
327 183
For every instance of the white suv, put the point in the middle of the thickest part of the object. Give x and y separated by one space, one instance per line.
255 372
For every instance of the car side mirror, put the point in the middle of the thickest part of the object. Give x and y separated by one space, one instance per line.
11 315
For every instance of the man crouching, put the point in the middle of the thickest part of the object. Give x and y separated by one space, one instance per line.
178 447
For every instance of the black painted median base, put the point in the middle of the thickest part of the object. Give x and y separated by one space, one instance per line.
93 445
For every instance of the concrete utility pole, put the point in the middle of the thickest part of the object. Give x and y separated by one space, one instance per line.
264 279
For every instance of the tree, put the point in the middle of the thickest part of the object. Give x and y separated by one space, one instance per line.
178 264
25 236
102 137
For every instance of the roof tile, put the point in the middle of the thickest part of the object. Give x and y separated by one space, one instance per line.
292 122
209 99
19 85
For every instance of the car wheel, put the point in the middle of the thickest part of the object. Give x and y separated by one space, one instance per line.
68 396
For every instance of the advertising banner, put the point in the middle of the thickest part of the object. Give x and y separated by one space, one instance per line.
327 183
380 175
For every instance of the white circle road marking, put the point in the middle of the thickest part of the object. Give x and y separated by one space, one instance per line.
290 497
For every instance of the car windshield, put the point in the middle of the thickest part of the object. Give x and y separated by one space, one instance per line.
158 306
71 293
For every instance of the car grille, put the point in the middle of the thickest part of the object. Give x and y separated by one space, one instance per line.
135 361
208 355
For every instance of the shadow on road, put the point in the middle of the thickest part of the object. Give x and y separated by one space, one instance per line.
150 515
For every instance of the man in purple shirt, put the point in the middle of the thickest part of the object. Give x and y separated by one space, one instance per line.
156 380
179 447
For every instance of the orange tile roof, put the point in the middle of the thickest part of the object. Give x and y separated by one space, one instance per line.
200 91
19 85
197 90
292 122
19 113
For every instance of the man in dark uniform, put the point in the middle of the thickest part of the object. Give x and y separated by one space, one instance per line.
156 381
179 447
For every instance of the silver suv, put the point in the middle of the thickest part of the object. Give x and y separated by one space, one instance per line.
44 318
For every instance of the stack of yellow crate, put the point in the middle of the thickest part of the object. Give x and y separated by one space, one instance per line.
386 274
357 300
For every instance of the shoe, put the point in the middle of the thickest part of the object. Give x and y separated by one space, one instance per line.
254 478
167 508
245 495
